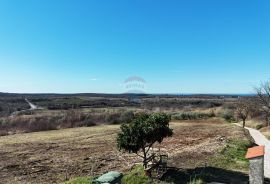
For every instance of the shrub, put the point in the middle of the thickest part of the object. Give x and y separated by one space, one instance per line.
142 133
192 115
113 118
136 176
233 155
230 106
119 117
3 122
228 115
259 126
41 124
87 123
126 116
66 119
3 133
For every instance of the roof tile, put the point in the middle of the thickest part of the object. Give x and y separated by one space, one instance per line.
254 152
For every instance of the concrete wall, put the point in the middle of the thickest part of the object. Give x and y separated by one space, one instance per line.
256 175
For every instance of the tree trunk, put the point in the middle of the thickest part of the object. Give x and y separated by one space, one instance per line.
144 159
244 123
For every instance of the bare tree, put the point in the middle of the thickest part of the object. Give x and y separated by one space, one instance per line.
263 99
243 109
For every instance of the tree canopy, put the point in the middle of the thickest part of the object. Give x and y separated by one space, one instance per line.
142 132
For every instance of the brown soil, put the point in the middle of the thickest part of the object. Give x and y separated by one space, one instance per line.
54 156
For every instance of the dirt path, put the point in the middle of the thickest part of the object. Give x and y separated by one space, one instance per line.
32 106
260 139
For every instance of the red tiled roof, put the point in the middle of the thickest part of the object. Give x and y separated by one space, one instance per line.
254 152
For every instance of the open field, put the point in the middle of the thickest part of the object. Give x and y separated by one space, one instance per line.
61 111
266 131
54 156
13 102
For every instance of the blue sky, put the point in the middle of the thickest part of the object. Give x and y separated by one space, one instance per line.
191 46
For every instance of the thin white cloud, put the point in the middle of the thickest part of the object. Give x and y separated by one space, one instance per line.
93 79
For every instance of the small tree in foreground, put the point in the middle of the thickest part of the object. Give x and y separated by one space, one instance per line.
243 110
142 133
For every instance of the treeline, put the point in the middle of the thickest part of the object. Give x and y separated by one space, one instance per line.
76 103
15 102
9 105
192 115
147 103
66 119
179 103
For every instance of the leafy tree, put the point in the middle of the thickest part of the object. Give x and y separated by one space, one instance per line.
142 133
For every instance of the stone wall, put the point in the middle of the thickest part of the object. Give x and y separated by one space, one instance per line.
256 175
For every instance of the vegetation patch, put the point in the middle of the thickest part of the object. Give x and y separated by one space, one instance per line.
44 120
136 176
196 181
228 115
266 132
192 115
79 180
93 150
233 155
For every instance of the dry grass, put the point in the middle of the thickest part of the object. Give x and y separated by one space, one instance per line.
53 156
194 144
254 124
259 126
266 131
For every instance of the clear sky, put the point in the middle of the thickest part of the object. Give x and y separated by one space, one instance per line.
181 46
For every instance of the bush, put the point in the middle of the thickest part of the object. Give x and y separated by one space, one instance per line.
192 115
66 119
41 124
119 117
3 122
3 133
136 176
87 123
113 118
126 116
228 115
233 155
230 106
259 126
9 105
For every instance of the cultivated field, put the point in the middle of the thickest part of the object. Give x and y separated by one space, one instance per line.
55 156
